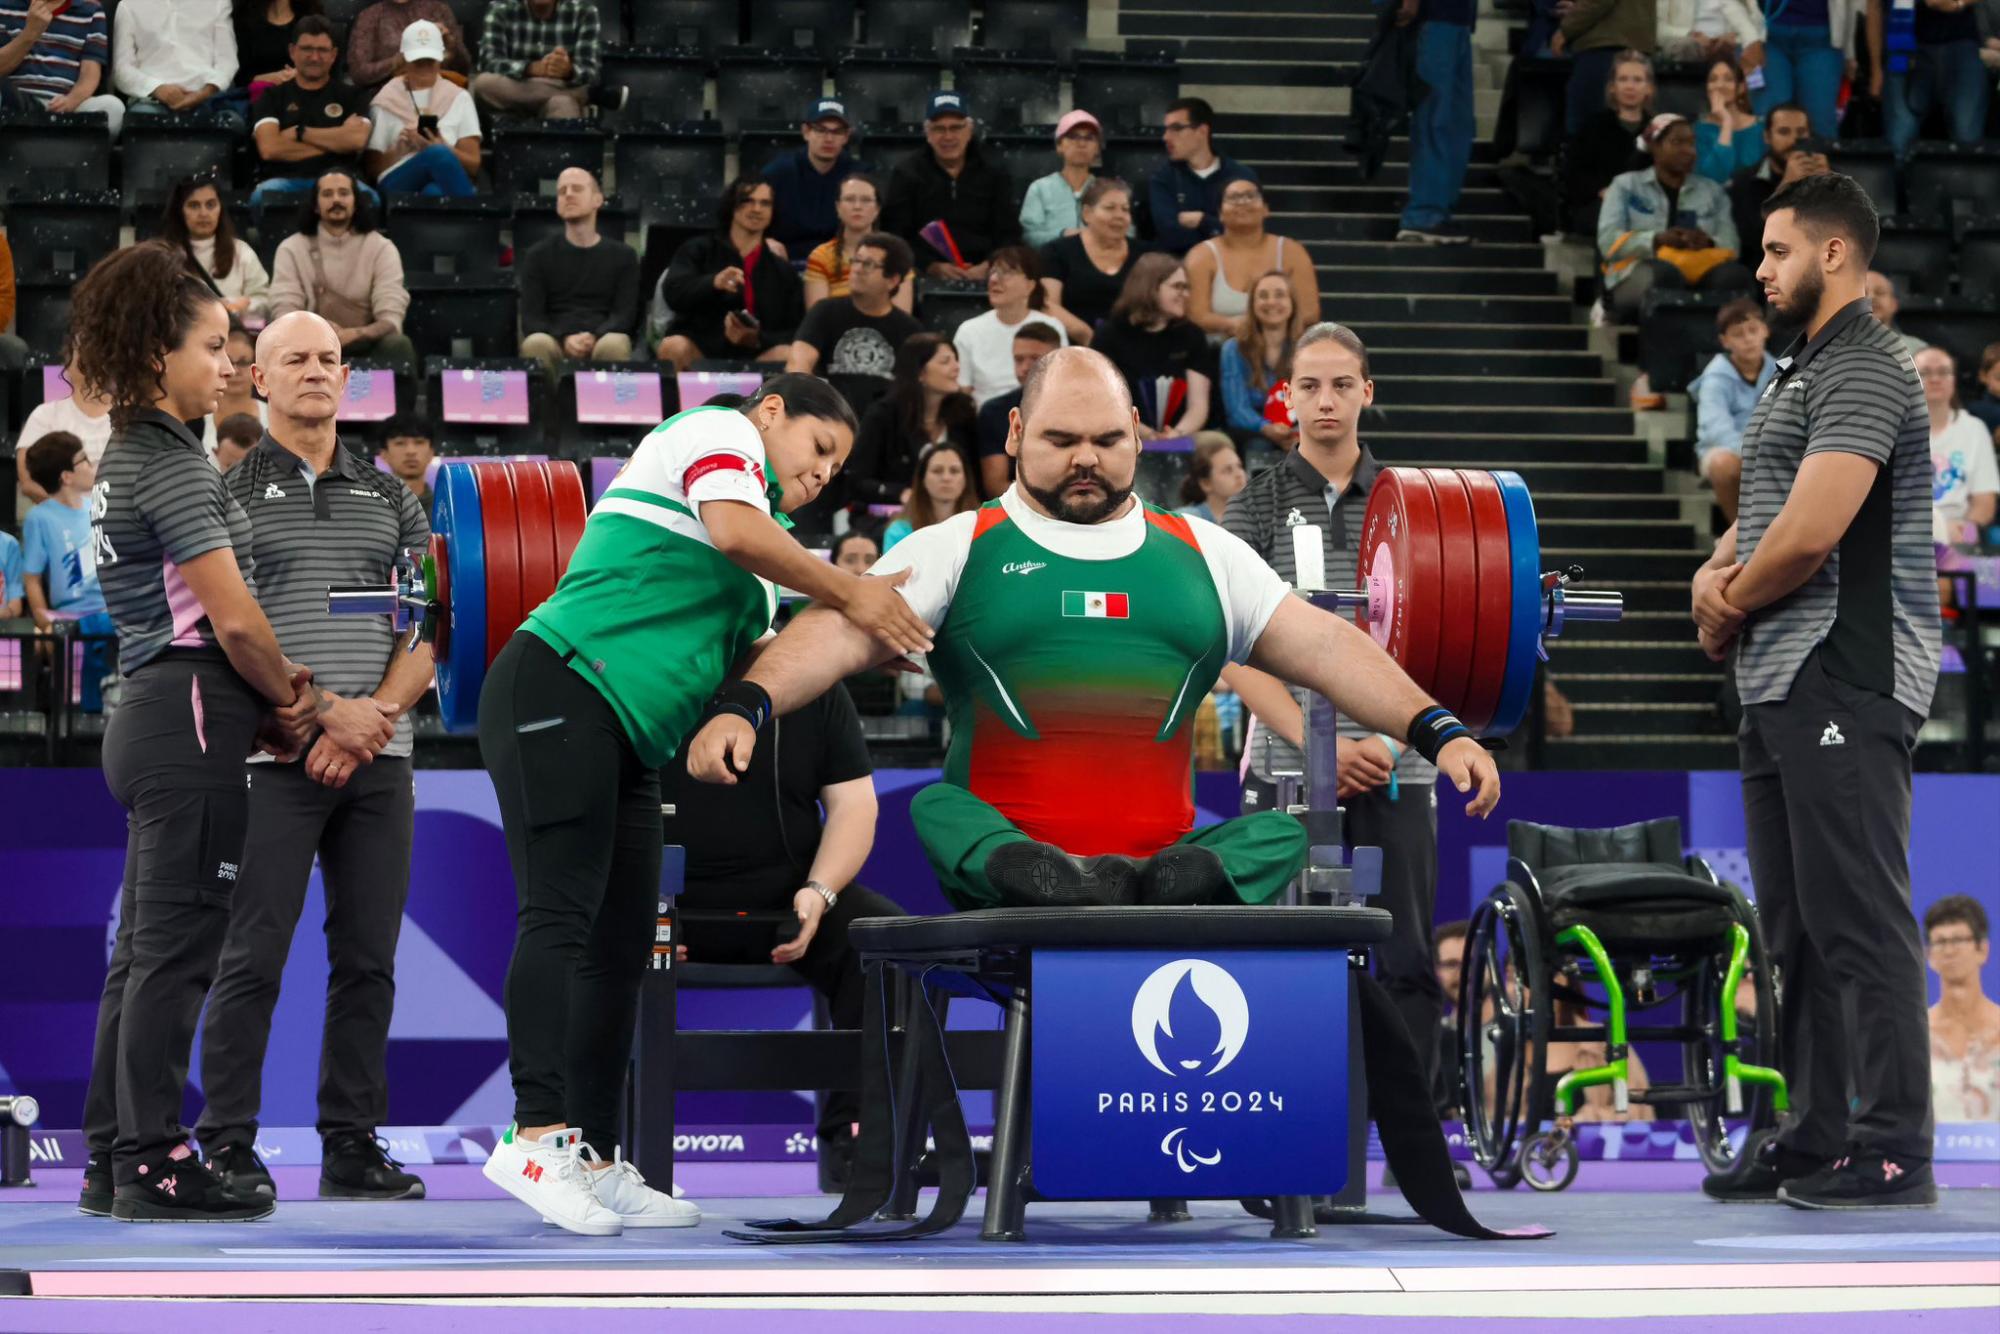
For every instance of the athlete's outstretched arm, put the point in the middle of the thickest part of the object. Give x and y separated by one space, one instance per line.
819 648
1329 654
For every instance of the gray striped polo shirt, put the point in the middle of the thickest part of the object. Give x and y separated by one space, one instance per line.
157 505
1872 608
346 526
1290 494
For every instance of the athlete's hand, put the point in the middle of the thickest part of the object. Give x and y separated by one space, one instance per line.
874 605
1468 765
721 750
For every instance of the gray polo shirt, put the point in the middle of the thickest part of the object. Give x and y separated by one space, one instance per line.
1872 608
1289 495
346 526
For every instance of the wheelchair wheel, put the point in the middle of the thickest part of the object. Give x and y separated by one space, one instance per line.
1702 1060
1503 1028
1549 1160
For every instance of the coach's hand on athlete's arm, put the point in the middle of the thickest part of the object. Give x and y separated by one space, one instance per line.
752 539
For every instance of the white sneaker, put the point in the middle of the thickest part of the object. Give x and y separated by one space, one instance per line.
549 1177
621 1189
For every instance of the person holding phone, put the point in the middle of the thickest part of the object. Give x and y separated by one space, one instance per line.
730 295
424 130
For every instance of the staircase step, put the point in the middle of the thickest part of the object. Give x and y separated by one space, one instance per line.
1287 128
1485 391
1639 687
1344 173
1145 21
1608 569
1491 421
1542 474
1383 226
1619 534
1266 73
1526 366
1435 281
1648 718
1308 43
1571 505
1652 595
1379 197
1460 336
1653 627
1401 254
1640 752
1439 308
1444 447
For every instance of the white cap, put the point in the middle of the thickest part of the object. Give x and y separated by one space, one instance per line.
423 40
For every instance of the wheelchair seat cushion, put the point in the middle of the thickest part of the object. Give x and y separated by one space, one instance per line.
1196 928
1608 885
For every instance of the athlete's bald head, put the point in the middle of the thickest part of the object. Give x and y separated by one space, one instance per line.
1075 437
299 369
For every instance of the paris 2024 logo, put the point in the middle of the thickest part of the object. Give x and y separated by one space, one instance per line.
1190 1020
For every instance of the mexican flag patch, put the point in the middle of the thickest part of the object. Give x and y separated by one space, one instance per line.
1101 606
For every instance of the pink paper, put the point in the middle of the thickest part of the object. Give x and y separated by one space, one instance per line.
618 398
486 396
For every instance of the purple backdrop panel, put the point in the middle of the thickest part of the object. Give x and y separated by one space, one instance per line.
618 398
603 471
697 387
486 396
371 395
55 384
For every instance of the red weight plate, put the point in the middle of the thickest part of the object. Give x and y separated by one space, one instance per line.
537 533
572 508
1458 588
440 593
1399 547
1496 600
503 556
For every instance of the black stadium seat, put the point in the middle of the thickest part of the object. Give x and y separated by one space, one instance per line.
1541 84
1873 164
1962 327
528 156
1131 158
926 27
1677 336
756 84
1009 88
1917 253
611 20
459 236
61 235
883 88
1033 25
342 13
535 221
1979 260
158 154
1681 88
944 305
1025 153
667 86
1129 92
690 25
761 140
41 314
1951 183
461 316
43 153
672 172
824 27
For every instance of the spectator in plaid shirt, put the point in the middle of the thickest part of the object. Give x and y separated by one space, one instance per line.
538 56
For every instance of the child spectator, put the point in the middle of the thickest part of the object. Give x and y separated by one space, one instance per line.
1726 393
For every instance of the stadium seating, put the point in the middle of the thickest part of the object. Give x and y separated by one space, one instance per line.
1129 92
42 153
1678 336
926 27
944 305
1024 153
756 84
157 154
1951 183
61 235
676 172
535 221
885 88
529 155
665 86
1873 164
1917 253
445 236
41 314
822 27
688 25
1033 25
1008 88
1962 326
1979 259
463 316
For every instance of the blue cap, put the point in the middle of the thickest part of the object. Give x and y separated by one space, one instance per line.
825 108
947 104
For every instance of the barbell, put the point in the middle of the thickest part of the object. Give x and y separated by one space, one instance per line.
1450 572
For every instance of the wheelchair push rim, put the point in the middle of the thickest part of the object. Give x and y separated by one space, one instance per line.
1503 1029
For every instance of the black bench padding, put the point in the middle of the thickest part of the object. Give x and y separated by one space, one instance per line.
1208 928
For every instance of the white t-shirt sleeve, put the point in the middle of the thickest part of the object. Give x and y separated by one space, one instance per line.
1251 591
460 121
934 556
1982 470
715 456
382 130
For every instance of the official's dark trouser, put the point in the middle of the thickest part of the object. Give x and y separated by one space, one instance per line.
361 834
1826 813
1406 831
830 965
173 757
582 819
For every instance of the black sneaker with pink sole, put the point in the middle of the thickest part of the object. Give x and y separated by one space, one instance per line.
1865 1180
179 1188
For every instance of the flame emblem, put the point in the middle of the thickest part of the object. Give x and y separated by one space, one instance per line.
1214 988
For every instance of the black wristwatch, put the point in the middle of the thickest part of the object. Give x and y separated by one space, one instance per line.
299 133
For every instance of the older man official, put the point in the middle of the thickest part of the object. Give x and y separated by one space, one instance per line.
320 515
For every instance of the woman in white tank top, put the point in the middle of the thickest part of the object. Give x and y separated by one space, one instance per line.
1245 250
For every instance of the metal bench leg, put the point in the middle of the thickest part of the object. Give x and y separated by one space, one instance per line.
1006 1205
1295 1218
1167 1211
909 1129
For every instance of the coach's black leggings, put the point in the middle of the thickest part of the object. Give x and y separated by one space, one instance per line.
173 757
582 818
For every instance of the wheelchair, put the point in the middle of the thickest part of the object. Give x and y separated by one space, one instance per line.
1610 921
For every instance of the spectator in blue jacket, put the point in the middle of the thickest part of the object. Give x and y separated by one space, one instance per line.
806 180
1257 365
1185 193
1659 225
1726 393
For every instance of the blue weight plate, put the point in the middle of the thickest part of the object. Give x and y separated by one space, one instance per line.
456 514
1525 551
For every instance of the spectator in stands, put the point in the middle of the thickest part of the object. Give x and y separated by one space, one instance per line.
924 407
1221 269
1257 364
940 486
1083 272
1944 72
1965 482
196 221
1053 204
1805 50
1441 125
854 551
1597 33
580 290
339 267
1726 393
313 123
853 342
1717 29
730 296
1965 1023
1448 949
59 559
424 133
1215 473
53 56
13 351
240 399
986 342
1666 227
952 203
1728 138
1032 342
1162 354
172 56
860 209
1606 145
236 436
375 41
1788 156
13 587
82 414
539 56
264 30
1885 300
807 181
1185 192
408 452
1987 406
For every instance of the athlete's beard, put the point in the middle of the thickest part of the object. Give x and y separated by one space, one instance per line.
1790 320
1079 509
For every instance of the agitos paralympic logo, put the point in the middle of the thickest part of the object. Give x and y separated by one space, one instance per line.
1190 1020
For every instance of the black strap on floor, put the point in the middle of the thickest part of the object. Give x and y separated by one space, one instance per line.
874 1167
